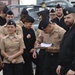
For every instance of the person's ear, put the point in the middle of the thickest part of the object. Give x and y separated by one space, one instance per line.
49 25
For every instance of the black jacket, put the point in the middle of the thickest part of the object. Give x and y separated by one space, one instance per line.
60 22
29 43
2 21
67 49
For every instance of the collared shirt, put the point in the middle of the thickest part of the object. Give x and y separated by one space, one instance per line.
54 37
20 23
12 45
38 33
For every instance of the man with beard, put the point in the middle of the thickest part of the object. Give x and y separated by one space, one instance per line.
59 20
67 48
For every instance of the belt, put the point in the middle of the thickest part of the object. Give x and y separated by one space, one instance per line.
52 54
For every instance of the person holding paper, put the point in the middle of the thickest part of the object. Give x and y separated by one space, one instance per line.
51 34
42 53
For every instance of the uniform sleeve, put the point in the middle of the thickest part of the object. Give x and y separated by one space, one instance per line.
2 44
18 22
39 38
22 45
19 30
73 62
2 31
38 33
61 33
1 35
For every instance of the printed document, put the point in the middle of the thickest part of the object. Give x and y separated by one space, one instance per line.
45 45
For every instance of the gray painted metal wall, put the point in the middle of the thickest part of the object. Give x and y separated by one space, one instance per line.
40 1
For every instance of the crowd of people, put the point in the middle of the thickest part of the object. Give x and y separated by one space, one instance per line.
19 42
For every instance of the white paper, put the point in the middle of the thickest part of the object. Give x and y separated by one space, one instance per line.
46 45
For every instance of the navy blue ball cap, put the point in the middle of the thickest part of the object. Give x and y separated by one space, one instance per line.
68 10
9 12
11 22
5 9
43 23
58 6
24 11
43 12
29 18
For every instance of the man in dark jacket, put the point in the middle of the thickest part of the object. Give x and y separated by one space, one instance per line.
59 20
67 47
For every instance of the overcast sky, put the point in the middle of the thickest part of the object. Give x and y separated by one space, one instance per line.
27 2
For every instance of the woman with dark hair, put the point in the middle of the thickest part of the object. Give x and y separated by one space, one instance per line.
29 40
12 49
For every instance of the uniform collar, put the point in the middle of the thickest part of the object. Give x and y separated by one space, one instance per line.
54 29
5 25
14 35
20 21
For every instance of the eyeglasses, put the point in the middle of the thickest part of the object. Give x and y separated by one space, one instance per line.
52 14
